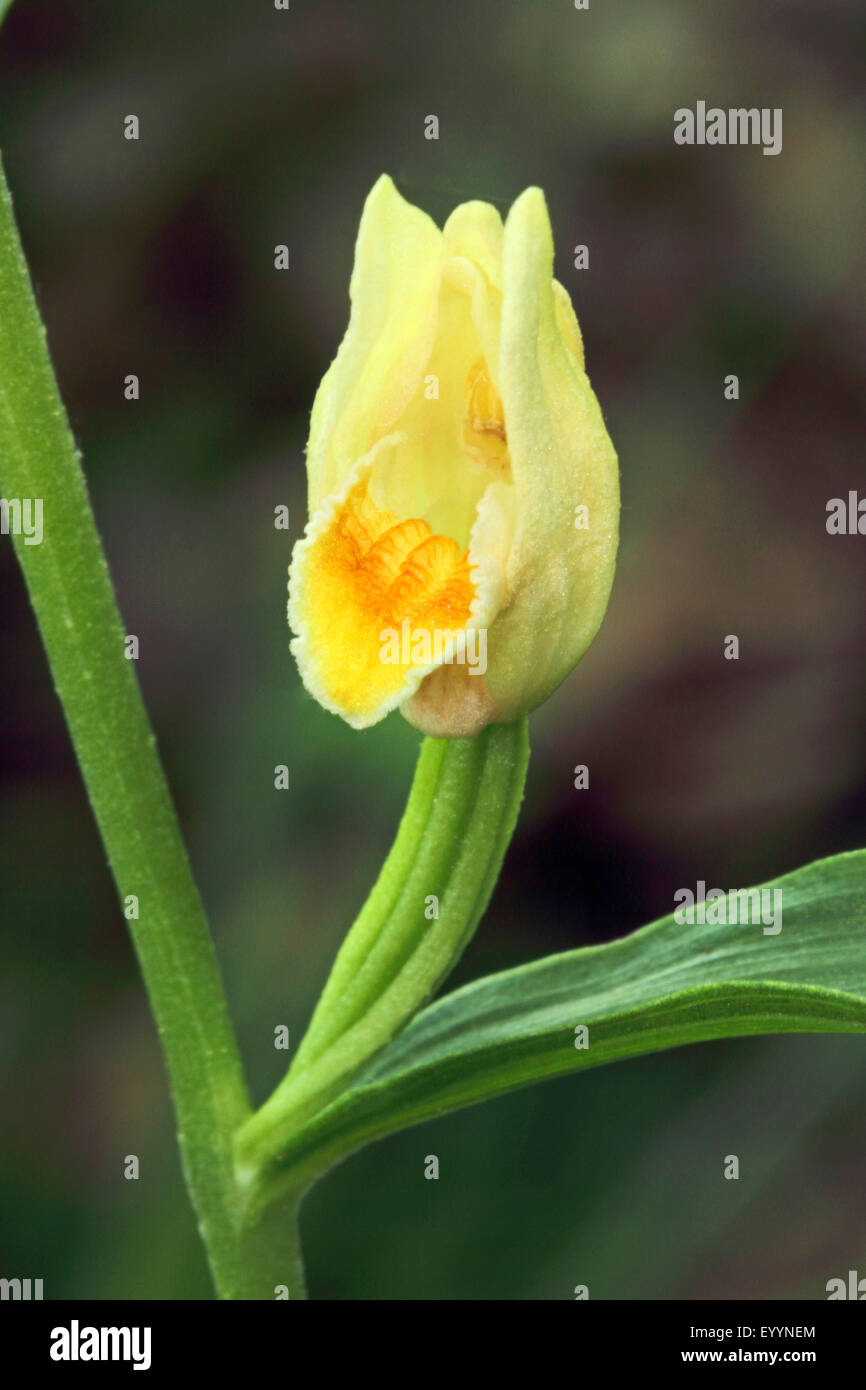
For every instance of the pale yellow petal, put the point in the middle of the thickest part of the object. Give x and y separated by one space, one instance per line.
474 231
394 290
566 321
559 575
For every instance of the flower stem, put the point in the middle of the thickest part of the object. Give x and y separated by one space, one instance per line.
427 902
72 595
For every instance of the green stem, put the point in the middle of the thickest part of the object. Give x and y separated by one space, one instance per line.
427 902
72 595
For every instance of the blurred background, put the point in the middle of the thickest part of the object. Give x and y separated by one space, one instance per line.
261 127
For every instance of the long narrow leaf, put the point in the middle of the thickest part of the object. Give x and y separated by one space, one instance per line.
665 985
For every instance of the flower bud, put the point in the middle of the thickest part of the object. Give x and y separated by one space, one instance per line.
463 490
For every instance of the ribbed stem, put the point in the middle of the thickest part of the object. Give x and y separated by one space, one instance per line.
427 902
73 598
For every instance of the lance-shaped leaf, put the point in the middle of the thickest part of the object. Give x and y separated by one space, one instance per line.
665 985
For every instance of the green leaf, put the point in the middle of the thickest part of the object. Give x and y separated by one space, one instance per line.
665 985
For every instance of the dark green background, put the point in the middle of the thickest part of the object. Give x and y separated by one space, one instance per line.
260 127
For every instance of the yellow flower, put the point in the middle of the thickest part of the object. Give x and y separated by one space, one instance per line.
463 490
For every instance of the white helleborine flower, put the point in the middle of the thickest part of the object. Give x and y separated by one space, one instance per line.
461 480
